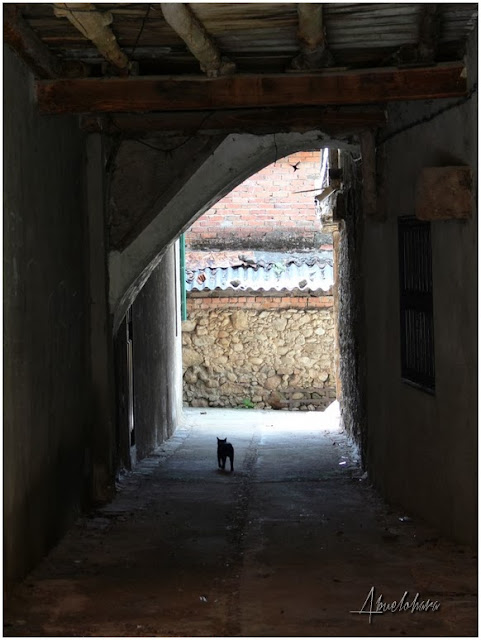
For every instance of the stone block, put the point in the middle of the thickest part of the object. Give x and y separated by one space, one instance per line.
189 325
189 377
273 382
240 320
199 402
444 193
190 358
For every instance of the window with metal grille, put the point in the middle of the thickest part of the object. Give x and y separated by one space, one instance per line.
416 303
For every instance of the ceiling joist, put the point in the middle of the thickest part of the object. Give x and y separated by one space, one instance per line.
183 21
314 52
146 94
429 32
94 25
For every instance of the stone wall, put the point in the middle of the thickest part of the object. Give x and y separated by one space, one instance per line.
351 310
279 358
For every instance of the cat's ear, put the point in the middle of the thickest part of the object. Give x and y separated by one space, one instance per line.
218 439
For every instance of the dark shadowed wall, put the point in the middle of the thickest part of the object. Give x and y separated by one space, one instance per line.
157 339
422 447
45 324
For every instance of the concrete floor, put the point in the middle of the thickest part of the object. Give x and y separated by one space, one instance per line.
288 545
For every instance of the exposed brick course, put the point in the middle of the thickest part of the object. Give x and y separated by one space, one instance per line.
266 210
259 302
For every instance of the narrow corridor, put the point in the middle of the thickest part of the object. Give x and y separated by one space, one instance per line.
288 545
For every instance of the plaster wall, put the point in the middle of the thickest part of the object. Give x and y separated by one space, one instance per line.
144 179
46 324
157 357
423 448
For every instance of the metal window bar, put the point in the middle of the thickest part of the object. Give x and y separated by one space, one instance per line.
416 303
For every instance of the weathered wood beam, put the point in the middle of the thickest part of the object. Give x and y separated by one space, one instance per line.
314 53
94 25
18 34
423 52
258 121
97 95
182 20
429 28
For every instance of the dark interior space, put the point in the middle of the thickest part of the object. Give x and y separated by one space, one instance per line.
123 124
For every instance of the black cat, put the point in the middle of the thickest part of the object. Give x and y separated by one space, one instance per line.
225 450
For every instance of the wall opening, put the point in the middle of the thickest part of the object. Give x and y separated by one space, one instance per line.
260 331
330 189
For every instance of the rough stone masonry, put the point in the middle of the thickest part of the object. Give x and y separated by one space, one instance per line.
282 359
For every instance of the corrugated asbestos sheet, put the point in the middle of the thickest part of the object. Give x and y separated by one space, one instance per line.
316 278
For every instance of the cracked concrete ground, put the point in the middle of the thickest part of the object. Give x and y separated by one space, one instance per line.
288 545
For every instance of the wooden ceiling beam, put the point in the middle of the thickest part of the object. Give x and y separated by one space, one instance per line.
182 20
429 31
44 64
314 52
136 94
94 25
257 121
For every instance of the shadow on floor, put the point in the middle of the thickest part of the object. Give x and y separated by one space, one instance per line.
290 544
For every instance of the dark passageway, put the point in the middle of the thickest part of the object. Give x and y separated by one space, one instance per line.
288 545
119 134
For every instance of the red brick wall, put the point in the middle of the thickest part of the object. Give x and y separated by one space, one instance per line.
260 302
265 211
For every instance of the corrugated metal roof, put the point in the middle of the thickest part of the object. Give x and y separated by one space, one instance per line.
315 278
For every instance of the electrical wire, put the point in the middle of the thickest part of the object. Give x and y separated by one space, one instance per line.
154 147
434 115
144 20
72 13
277 151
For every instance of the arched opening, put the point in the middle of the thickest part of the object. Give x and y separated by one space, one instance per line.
235 158
157 386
